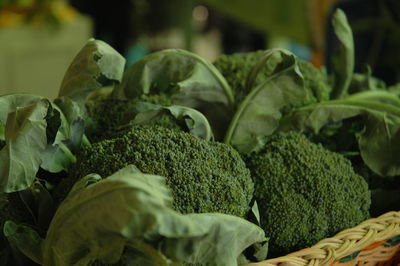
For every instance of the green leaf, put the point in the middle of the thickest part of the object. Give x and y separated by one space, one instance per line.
365 82
196 123
190 80
25 239
343 64
59 154
99 219
25 136
259 113
269 63
9 103
379 143
96 66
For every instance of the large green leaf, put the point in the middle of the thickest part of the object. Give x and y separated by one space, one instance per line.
9 103
29 122
379 143
95 66
259 113
25 136
190 80
98 219
343 61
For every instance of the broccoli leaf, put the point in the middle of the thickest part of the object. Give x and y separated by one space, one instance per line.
270 62
25 239
95 66
59 153
380 140
259 113
343 63
9 103
131 207
29 122
190 80
69 137
25 136
196 123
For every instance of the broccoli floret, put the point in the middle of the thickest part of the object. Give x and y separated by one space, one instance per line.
236 67
315 80
203 176
305 193
106 115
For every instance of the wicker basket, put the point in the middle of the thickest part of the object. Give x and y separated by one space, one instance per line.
373 242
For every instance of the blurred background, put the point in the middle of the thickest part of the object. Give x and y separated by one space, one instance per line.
39 38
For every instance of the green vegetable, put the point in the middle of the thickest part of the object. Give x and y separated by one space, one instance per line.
131 209
259 113
235 68
138 179
36 134
187 78
111 115
204 176
305 193
343 63
95 66
315 80
194 122
9 103
377 142
25 137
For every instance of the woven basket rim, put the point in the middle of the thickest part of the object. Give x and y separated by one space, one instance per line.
346 242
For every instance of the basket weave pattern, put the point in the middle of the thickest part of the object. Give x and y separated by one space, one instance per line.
373 242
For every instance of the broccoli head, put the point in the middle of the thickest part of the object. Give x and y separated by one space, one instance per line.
236 67
203 176
108 114
305 193
315 80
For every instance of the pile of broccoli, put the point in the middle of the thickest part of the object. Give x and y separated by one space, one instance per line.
292 178
305 192
203 176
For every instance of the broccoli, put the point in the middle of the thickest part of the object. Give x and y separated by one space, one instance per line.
315 80
203 176
108 114
236 67
305 193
